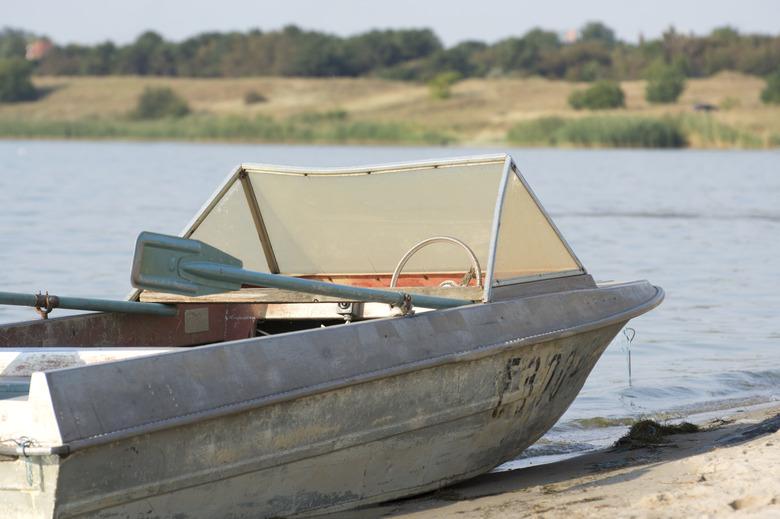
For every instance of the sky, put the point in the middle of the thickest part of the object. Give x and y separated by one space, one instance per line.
91 21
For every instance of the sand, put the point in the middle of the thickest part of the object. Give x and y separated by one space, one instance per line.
730 468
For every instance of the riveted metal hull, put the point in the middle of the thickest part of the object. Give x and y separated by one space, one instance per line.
322 420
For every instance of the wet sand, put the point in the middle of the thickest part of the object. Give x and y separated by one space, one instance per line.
731 467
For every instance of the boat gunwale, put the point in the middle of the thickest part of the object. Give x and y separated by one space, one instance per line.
470 354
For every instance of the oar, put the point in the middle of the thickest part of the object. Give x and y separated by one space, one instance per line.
46 303
190 267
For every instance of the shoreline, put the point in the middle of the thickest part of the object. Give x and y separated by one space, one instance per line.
498 145
731 465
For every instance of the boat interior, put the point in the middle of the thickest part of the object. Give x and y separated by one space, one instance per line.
467 229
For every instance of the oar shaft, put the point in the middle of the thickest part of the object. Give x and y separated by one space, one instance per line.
84 303
238 275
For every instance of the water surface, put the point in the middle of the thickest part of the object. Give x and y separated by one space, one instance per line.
704 225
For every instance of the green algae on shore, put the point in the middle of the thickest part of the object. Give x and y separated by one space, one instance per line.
645 433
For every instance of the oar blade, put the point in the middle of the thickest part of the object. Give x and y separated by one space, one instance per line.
158 261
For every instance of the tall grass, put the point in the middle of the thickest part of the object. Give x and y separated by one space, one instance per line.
329 127
623 131
537 132
707 131
605 131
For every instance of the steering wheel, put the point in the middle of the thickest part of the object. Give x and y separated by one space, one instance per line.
476 270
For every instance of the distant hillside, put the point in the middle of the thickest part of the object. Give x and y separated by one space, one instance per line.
362 110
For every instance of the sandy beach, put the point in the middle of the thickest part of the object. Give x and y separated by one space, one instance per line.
731 467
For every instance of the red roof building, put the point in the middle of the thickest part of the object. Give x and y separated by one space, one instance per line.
37 49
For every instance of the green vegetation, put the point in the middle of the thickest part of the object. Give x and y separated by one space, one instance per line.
665 83
607 131
701 130
440 86
253 97
13 42
331 116
649 433
708 132
771 94
160 102
376 111
330 127
15 84
416 54
602 95
544 131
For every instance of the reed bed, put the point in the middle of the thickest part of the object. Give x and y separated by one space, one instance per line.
708 132
600 131
312 127
631 131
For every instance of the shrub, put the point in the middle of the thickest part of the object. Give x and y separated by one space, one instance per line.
15 84
771 94
665 83
159 102
253 97
601 96
440 85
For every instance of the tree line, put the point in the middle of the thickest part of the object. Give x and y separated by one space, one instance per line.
409 54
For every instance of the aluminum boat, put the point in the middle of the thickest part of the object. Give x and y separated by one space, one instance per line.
266 402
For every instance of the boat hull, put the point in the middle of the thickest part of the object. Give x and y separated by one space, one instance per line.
300 426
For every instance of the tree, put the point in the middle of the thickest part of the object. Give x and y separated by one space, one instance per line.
159 102
13 42
525 54
665 83
771 94
100 59
382 49
725 34
148 55
410 54
601 96
581 61
459 59
15 84
597 31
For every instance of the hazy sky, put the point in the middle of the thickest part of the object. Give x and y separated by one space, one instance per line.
90 21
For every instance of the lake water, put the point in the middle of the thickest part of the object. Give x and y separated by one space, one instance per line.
704 225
